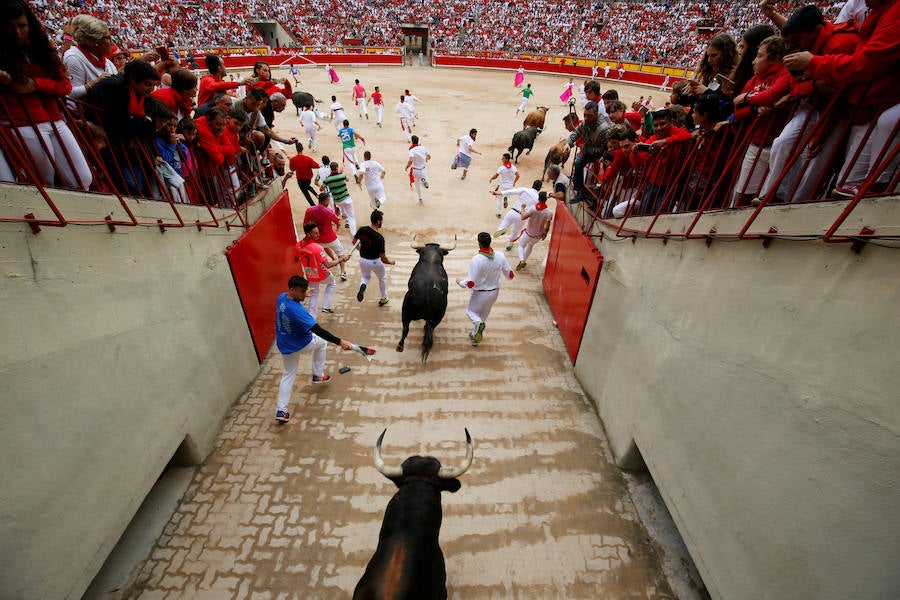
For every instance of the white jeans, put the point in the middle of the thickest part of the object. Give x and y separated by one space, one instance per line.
361 107
782 148
346 206
404 125
329 284
480 304
368 266
526 245
376 193
312 137
878 139
419 176
379 110
56 136
291 362
751 177
514 223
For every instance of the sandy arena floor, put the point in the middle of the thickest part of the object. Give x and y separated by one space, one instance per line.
294 511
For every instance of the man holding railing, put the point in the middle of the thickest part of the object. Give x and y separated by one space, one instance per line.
594 134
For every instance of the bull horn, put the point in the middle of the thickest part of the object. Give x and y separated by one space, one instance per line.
455 242
379 462
451 472
414 245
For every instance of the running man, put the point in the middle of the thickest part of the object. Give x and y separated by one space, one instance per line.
466 148
537 229
337 185
311 127
526 93
360 99
372 257
296 333
348 140
329 223
373 174
418 158
514 220
303 166
411 100
378 101
509 176
483 279
317 262
337 113
405 112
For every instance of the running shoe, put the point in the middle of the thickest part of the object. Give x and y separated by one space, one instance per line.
479 333
283 416
344 276
500 232
361 292
322 379
384 301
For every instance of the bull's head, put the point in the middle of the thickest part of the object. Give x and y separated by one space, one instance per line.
418 246
425 466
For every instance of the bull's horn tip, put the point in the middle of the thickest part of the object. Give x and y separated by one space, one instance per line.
381 437
468 437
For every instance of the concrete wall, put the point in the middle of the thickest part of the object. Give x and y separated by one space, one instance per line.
118 348
761 387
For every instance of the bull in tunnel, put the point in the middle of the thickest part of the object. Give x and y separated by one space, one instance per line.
408 562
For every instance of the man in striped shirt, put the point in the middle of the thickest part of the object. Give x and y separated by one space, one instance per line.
337 185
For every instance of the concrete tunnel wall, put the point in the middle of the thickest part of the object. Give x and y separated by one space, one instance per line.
760 386
108 368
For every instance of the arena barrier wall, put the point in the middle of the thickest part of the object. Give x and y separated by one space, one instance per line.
285 59
634 72
261 262
570 277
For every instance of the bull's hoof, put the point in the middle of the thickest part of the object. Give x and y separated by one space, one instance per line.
529 151
399 347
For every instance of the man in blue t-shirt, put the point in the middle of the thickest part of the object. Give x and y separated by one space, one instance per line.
296 331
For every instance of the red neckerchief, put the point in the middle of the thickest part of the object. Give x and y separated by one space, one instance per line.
507 164
413 146
540 206
97 61
489 252
135 104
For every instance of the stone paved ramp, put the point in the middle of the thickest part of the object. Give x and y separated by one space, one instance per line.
294 511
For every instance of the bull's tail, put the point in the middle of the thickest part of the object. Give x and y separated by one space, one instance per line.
427 341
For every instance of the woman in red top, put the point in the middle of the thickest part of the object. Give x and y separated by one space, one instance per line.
32 81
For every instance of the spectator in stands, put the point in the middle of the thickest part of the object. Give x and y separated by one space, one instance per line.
179 97
215 153
123 106
769 84
720 58
665 143
186 131
119 58
87 62
32 80
594 134
220 99
748 46
169 152
215 80
807 29
871 73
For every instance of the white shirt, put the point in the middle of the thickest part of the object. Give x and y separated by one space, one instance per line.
537 221
465 145
853 9
81 71
339 115
528 198
484 273
411 100
372 173
507 177
404 109
419 156
323 173
308 119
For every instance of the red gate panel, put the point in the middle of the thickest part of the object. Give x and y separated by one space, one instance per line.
262 261
570 279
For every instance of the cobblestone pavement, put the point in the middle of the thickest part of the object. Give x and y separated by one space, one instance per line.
293 511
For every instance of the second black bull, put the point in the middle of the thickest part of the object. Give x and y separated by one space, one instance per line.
426 296
523 140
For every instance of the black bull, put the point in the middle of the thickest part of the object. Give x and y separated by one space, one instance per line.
302 100
408 562
426 296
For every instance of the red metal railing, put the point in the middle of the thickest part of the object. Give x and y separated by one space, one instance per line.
124 168
701 175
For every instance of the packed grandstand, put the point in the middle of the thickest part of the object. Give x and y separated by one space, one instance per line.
672 32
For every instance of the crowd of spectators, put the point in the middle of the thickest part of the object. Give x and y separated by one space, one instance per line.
655 31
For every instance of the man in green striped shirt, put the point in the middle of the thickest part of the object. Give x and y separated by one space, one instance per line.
337 185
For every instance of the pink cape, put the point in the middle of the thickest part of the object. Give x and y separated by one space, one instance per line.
566 94
520 77
333 75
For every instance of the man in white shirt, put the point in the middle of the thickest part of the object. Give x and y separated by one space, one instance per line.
466 148
509 176
418 158
373 174
405 113
483 279
337 113
411 101
538 226
310 127
514 220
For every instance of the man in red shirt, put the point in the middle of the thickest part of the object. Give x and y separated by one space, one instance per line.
316 262
329 223
379 105
179 97
215 81
303 166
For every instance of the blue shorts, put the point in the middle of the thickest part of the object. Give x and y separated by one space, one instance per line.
462 160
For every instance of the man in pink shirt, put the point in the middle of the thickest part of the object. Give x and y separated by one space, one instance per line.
327 221
359 96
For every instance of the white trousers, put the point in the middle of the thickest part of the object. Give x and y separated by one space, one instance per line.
312 135
346 206
314 287
361 107
782 148
379 110
513 222
291 362
404 125
751 177
368 266
419 176
350 158
526 245
858 171
59 140
376 192
480 304
338 248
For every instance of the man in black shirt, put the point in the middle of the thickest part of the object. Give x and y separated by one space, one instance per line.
372 257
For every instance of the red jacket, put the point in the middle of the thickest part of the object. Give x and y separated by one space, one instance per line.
209 86
215 150
765 89
876 59
663 171
39 106
173 101
840 39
